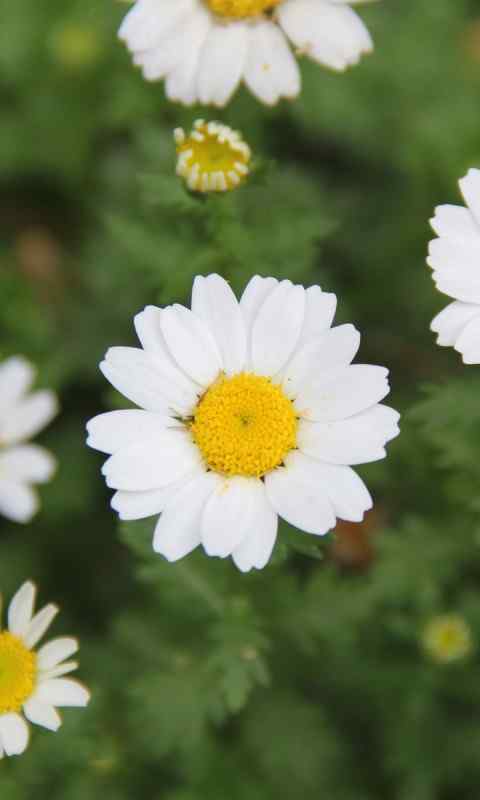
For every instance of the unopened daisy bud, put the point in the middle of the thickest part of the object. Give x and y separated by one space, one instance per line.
447 638
213 158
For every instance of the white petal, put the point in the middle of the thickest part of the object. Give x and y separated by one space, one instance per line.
57 672
146 24
16 377
191 344
178 529
271 70
42 714
28 463
29 417
276 329
150 381
222 62
320 310
117 429
468 343
357 440
230 514
149 331
39 624
20 609
470 187
298 499
181 82
18 502
331 350
13 734
139 505
152 464
215 303
257 546
450 322
253 297
331 34
62 692
347 493
343 393
55 651
169 53
455 222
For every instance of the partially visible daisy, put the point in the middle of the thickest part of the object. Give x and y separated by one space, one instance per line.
32 683
22 415
212 158
447 638
204 49
250 410
455 258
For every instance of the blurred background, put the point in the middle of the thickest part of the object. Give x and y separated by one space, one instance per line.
349 668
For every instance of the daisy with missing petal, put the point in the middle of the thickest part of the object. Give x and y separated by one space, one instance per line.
213 158
204 49
22 415
249 410
454 258
32 683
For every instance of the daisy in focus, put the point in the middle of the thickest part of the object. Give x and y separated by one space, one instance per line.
22 415
454 258
31 682
213 158
249 411
204 49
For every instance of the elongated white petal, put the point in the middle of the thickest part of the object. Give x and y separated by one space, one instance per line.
276 329
178 529
118 429
181 82
320 310
20 610
455 222
169 53
18 502
29 463
230 514
298 500
145 27
62 692
468 342
222 62
256 548
16 378
347 493
215 303
55 651
253 297
333 349
57 672
271 70
152 464
139 505
13 734
356 440
470 186
450 322
343 393
191 344
29 417
42 714
40 624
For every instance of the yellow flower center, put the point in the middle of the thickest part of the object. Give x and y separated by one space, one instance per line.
448 638
244 425
213 158
17 672
240 9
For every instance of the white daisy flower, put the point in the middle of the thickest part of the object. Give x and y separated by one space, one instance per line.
213 158
251 410
22 415
205 48
454 258
32 681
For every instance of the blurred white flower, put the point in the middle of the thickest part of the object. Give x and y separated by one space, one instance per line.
22 416
205 48
454 258
252 410
32 681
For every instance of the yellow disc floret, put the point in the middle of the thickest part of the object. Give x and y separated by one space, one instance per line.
447 638
214 158
244 425
239 9
17 672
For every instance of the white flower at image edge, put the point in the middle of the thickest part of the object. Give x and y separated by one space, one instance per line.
22 416
251 410
32 683
204 49
454 258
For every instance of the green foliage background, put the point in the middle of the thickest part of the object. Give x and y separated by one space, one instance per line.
307 680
